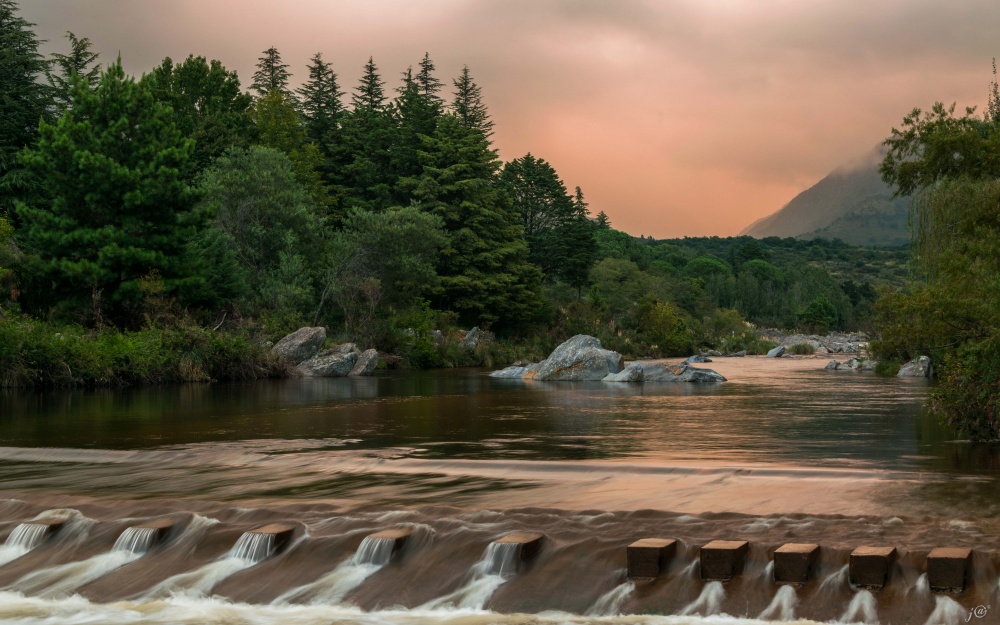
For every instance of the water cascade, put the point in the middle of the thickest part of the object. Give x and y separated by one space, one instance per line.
251 548
23 539
611 602
947 611
782 607
59 581
373 553
498 565
709 602
862 609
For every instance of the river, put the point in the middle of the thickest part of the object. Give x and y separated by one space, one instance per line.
783 452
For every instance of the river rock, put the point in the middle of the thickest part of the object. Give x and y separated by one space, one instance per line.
512 373
633 372
330 363
833 365
777 352
916 368
366 364
471 339
300 345
697 358
579 358
869 364
712 353
680 373
740 354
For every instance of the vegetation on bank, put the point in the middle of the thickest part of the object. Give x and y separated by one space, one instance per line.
951 310
167 227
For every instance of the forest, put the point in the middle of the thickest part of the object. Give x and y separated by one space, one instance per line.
170 226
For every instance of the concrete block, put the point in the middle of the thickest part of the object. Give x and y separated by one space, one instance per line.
948 568
399 537
871 566
648 557
794 562
529 543
722 560
282 533
161 528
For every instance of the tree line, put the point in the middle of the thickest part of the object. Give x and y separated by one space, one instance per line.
181 198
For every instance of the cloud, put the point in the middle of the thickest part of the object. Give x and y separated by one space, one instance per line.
679 117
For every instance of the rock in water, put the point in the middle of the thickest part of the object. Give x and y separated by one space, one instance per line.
579 358
300 345
366 363
777 352
633 372
681 373
833 365
510 373
697 358
916 368
330 363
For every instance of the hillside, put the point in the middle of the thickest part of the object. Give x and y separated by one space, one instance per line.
851 203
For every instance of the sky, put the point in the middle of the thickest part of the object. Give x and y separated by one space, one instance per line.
675 117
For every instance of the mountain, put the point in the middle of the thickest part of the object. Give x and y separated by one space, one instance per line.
851 203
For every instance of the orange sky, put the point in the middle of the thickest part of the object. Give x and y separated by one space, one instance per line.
677 117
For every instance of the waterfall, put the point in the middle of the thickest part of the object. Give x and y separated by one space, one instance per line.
610 603
782 607
709 602
947 611
253 547
136 540
372 555
862 609
835 584
497 566
23 539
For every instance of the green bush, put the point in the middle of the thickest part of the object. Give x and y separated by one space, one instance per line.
802 349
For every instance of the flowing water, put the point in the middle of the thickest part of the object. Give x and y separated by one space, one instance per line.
783 452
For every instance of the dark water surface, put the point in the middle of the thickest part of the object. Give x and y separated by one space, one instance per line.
783 452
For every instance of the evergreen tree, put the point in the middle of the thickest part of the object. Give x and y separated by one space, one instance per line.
208 103
370 93
559 235
320 103
112 207
271 74
24 100
602 222
428 84
485 275
468 104
368 135
80 61
415 118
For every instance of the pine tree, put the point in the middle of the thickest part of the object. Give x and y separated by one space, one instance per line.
485 275
602 222
208 103
271 74
24 100
112 208
415 118
368 135
559 235
370 93
468 104
80 61
428 84
320 102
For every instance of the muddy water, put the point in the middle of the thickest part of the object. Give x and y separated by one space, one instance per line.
784 452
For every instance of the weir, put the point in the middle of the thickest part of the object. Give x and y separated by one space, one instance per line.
26 537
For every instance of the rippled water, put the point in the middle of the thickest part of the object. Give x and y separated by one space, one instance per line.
783 452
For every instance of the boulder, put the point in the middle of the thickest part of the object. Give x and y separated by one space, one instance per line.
680 373
579 358
366 364
697 358
300 345
869 365
633 372
777 352
471 339
833 365
712 353
511 373
330 363
740 354
344 348
438 337
916 368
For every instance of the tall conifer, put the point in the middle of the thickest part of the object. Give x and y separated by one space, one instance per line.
80 61
320 102
271 74
468 104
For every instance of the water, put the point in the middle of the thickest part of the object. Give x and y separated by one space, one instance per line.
23 539
137 540
784 452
